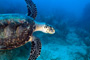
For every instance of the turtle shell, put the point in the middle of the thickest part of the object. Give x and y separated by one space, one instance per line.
15 30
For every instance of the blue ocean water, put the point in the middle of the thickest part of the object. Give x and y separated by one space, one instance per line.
71 20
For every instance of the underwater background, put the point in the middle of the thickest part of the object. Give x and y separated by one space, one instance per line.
71 20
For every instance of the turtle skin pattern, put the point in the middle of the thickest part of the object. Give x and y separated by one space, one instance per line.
35 49
32 10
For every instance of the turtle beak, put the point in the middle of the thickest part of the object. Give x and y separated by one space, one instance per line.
52 30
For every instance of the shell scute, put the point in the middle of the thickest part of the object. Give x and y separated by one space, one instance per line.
15 31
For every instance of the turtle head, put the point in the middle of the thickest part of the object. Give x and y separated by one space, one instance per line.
48 29
40 26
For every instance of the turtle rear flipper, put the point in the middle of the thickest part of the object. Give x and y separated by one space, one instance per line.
32 10
35 49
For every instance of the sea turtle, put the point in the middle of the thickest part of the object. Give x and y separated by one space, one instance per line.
16 30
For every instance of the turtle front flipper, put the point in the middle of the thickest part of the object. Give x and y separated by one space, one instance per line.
32 10
35 49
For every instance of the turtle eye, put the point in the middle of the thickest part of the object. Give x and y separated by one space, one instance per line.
45 26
